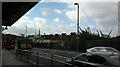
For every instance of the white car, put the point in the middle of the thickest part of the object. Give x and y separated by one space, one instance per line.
102 49
95 59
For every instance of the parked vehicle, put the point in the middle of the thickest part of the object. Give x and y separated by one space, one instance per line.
24 44
102 49
8 41
96 59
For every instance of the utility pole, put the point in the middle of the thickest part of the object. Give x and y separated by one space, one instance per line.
39 34
26 31
77 25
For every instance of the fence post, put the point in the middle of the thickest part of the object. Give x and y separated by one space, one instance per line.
28 56
37 59
16 54
51 60
72 62
21 54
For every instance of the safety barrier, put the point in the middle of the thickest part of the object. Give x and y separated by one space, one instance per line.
40 58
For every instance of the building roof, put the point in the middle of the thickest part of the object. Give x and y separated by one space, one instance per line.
12 11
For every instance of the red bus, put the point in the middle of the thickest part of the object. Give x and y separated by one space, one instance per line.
9 41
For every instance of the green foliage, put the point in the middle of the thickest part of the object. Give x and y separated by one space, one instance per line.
86 35
73 42
29 36
116 38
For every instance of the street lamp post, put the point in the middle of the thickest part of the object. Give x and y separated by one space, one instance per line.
39 35
26 30
77 24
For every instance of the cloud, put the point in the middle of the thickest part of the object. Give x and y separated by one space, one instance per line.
57 11
64 28
57 20
46 11
39 20
34 24
105 14
80 0
71 15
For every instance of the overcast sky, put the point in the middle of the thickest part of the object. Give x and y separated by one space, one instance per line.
60 17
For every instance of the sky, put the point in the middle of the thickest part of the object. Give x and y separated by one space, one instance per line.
57 17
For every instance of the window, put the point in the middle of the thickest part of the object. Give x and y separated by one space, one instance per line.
91 58
97 59
94 50
82 57
111 50
101 49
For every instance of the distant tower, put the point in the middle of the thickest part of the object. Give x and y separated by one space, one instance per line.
118 18
39 34
118 28
26 30
22 35
88 29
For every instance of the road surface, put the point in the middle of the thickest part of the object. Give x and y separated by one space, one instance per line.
57 52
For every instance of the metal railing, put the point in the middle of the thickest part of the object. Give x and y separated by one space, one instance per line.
40 58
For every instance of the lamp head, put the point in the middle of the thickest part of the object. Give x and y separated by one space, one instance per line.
76 4
6 28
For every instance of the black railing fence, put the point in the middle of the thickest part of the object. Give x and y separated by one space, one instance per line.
42 59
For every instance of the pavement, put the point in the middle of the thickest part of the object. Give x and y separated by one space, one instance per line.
8 60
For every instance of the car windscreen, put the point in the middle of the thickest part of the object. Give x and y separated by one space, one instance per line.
25 44
111 50
81 57
106 50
